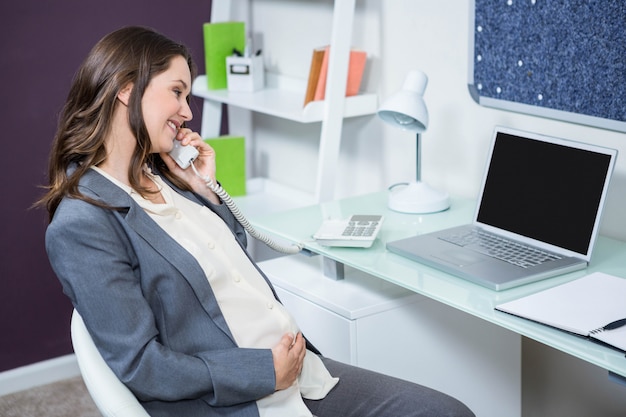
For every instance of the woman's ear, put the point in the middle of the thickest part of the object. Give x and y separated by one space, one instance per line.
124 94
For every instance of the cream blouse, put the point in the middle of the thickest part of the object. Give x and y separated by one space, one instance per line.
254 316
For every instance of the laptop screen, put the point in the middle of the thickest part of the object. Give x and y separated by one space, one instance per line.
546 189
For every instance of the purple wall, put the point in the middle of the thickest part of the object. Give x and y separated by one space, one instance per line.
42 45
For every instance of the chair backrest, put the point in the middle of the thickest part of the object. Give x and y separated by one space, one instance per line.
111 396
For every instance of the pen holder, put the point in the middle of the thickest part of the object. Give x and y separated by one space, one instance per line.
245 73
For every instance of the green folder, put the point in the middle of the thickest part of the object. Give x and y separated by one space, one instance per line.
230 158
219 41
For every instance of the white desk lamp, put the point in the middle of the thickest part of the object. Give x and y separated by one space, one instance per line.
406 109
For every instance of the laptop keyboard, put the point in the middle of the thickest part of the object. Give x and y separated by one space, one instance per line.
498 247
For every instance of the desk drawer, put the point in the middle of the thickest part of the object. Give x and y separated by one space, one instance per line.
330 333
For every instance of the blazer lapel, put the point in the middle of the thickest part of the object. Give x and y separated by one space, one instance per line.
159 240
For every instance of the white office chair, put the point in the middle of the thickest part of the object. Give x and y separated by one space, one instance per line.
111 396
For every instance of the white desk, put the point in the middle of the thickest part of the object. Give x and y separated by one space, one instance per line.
298 225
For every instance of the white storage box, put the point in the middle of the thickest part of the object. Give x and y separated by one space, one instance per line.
245 73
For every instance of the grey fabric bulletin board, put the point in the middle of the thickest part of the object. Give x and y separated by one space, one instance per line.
561 59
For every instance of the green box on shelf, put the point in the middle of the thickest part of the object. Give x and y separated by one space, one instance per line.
219 41
230 158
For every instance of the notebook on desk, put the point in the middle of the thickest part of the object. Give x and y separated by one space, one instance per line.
592 306
537 215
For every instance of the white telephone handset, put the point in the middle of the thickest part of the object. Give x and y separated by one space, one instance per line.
184 157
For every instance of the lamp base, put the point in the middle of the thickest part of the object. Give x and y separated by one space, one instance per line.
418 197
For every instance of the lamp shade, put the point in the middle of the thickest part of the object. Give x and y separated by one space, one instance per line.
406 108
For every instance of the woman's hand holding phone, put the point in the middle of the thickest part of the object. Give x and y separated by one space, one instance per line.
181 156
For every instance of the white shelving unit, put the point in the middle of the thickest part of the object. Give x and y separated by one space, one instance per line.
283 97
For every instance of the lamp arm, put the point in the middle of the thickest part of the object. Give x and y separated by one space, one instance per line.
418 164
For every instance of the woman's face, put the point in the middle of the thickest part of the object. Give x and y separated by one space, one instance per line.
165 106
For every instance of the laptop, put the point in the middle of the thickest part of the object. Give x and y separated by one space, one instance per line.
537 215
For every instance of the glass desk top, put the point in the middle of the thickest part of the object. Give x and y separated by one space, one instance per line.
298 225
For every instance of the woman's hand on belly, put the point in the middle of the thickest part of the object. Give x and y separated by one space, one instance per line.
288 357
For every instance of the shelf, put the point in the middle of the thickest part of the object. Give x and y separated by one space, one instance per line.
284 103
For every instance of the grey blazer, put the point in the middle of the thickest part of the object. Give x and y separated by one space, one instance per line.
150 309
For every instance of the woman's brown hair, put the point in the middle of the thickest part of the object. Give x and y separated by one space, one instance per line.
129 55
